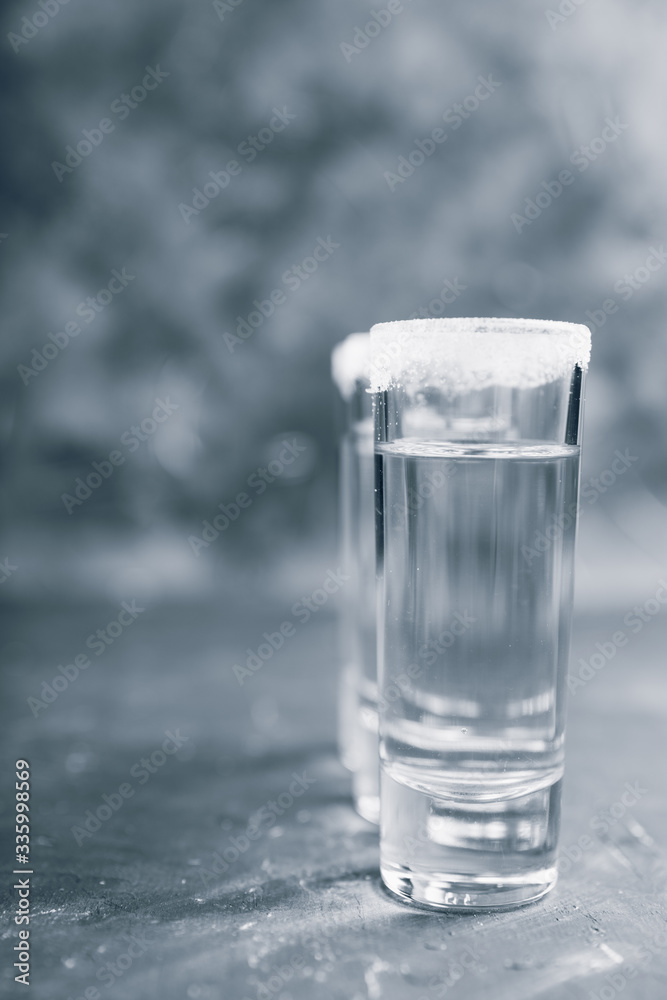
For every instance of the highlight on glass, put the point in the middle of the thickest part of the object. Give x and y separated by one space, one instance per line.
477 441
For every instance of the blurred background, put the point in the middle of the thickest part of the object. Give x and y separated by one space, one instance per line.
348 111
198 200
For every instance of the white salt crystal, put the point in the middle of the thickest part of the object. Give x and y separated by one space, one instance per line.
463 355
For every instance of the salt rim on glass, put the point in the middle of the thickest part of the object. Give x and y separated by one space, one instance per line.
464 355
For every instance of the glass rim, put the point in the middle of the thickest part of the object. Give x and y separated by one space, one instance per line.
480 324
463 354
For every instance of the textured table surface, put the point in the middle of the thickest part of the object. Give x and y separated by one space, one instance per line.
146 906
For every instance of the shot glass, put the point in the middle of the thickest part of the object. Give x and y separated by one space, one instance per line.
477 431
357 715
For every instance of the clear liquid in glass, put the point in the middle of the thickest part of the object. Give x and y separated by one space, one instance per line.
476 573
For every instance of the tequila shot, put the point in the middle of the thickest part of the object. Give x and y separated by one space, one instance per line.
477 441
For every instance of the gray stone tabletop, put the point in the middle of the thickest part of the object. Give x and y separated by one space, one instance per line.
229 863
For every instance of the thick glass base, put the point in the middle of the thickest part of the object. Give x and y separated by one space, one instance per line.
439 891
481 844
